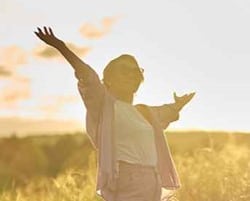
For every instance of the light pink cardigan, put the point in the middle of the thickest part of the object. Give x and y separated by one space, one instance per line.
99 119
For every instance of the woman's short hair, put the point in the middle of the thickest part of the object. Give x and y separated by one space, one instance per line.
123 62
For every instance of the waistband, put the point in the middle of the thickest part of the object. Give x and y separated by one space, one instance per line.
124 164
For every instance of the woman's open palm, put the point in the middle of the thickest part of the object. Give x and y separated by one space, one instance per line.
181 101
48 36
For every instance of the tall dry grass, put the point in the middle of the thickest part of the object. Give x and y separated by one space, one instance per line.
209 175
206 174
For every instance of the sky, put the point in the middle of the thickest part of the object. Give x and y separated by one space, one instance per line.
184 46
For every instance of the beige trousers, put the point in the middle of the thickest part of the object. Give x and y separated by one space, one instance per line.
137 183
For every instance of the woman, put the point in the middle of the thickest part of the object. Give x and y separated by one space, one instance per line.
134 161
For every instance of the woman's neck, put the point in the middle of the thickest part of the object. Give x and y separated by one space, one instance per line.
126 97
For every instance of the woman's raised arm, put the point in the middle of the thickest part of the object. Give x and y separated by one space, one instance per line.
47 36
89 84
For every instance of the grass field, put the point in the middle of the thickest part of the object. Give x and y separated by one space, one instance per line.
212 167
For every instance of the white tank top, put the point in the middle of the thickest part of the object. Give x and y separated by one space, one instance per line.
135 141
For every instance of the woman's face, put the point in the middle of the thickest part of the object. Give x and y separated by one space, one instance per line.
126 79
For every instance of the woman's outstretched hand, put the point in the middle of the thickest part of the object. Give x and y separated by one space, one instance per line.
181 101
47 36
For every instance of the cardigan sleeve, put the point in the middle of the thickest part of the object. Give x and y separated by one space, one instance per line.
92 93
166 114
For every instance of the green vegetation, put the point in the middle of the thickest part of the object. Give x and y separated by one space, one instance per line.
212 166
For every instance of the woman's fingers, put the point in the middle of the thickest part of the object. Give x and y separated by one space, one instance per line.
37 34
45 30
51 32
39 30
42 34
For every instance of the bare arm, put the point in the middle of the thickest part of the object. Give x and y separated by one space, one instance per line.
47 36
168 113
89 84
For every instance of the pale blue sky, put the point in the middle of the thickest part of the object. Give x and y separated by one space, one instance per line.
183 46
